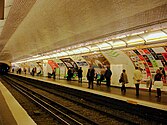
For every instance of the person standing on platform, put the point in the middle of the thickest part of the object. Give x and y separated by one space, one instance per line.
165 76
149 83
80 75
25 71
98 78
158 83
123 80
107 75
90 76
69 73
13 70
33 72
137 79
54 74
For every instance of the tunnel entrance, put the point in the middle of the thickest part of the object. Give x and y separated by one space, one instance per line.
4 68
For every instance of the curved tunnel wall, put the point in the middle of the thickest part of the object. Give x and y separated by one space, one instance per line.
119 61
148 59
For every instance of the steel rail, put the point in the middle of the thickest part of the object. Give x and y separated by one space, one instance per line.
115 116
47 106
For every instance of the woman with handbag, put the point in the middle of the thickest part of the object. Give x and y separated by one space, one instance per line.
123 80
158 83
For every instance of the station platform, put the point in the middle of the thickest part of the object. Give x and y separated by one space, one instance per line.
145 97
11 113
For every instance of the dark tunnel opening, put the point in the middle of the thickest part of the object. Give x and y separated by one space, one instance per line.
4 68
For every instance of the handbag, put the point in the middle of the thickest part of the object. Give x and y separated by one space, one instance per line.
121 79
158 84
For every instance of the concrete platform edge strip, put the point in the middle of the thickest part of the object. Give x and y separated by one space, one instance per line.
18 112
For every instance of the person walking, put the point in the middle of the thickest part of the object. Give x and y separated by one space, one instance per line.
90 76
158 83
123 80
107 75
137 79
80 75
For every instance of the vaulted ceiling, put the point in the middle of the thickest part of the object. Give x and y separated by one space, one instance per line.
37 26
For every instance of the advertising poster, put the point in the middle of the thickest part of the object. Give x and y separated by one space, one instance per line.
141 52
53 64
148 72
161 58
130 53
153 53
80 61
159 62
40 64
165 48
152 58
159 50
136 52
141 57
97 60
146 51
61 64
165 56
148 61
70 64
153 61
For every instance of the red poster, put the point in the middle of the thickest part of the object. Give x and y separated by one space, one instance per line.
141 57
148 72
165 56
146 51
53 64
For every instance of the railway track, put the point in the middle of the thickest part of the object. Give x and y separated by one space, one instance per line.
104 115
64 115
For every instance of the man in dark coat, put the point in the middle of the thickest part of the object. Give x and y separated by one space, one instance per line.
80 75
107 75
90 76
54 74
69 73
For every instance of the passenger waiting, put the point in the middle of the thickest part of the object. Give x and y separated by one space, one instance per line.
13 70
80 75
98 78
158 83
53 74
90 76
107 75
33 72
69 73
137 79
123 80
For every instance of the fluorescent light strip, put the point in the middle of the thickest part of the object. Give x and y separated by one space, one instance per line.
90 46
